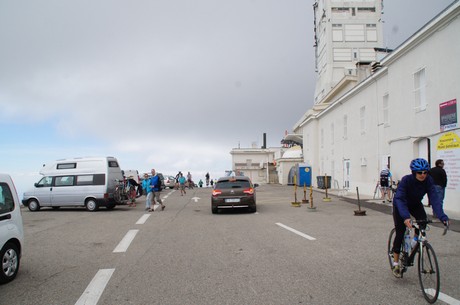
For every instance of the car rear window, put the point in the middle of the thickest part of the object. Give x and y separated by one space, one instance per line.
6 199
233 184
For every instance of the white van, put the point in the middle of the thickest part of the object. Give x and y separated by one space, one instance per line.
11 230
88 182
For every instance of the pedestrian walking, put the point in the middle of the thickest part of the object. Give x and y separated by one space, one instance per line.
156 186
182 181
147 191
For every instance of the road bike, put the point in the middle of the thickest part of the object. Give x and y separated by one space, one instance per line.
121 191
428 268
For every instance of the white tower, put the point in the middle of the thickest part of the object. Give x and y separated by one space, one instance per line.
346 35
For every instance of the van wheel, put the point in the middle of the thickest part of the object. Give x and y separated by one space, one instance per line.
33 205
91 205
10 262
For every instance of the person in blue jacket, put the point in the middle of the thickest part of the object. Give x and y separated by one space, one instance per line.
156 186
147 192
408 201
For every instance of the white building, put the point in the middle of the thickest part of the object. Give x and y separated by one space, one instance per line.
256 163
401 108
346 33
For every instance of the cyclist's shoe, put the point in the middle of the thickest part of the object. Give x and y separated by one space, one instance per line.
397 271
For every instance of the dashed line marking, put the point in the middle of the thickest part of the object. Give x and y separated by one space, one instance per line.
95 288
126 241
143 219
296 232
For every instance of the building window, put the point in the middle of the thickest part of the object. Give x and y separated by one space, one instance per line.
342 54
366 9
420 90
340 10
345 126
362 119
337 32
385 110
371 32
354 32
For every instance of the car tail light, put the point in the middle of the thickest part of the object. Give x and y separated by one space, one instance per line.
249 191
216 193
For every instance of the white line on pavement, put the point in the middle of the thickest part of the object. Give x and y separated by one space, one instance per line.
444 297
95 288
296 232
126 241
143 219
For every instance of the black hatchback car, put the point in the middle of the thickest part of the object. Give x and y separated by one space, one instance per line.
233 192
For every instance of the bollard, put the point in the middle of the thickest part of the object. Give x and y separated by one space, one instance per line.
311 208
326 199
359 212
304 200
295 203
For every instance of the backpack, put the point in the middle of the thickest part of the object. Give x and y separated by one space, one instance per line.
159 185
384 174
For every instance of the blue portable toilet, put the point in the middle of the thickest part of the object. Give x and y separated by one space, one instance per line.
304 175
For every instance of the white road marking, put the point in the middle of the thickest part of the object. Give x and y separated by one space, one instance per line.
296 232
143 219
196 199
126 241
444 297
95 288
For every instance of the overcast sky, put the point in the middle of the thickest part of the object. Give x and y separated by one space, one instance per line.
166 84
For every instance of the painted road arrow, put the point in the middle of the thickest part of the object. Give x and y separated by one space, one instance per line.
196 199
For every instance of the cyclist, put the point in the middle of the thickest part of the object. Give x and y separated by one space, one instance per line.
408 201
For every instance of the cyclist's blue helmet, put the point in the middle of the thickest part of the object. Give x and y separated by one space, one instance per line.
419 164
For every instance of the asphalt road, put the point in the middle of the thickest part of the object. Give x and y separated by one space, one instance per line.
187 255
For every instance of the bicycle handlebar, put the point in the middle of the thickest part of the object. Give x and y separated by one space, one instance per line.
427 221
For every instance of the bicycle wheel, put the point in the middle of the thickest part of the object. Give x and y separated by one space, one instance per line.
390 247
117 195
428 273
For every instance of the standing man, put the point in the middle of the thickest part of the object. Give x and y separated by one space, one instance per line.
189 180
440 178
155 186
385 183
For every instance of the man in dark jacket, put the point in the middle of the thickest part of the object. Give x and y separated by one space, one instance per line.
155 186
440 178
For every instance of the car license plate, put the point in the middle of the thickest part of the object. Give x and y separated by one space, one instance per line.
232 200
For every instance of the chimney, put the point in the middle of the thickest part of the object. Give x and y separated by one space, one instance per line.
265 141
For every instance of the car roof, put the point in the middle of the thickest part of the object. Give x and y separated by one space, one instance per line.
229 178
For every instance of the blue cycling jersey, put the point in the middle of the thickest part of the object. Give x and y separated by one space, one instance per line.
410 192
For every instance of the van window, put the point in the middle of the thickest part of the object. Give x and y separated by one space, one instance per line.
45 181
6 199
113 164
66 165
64 181
97 179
